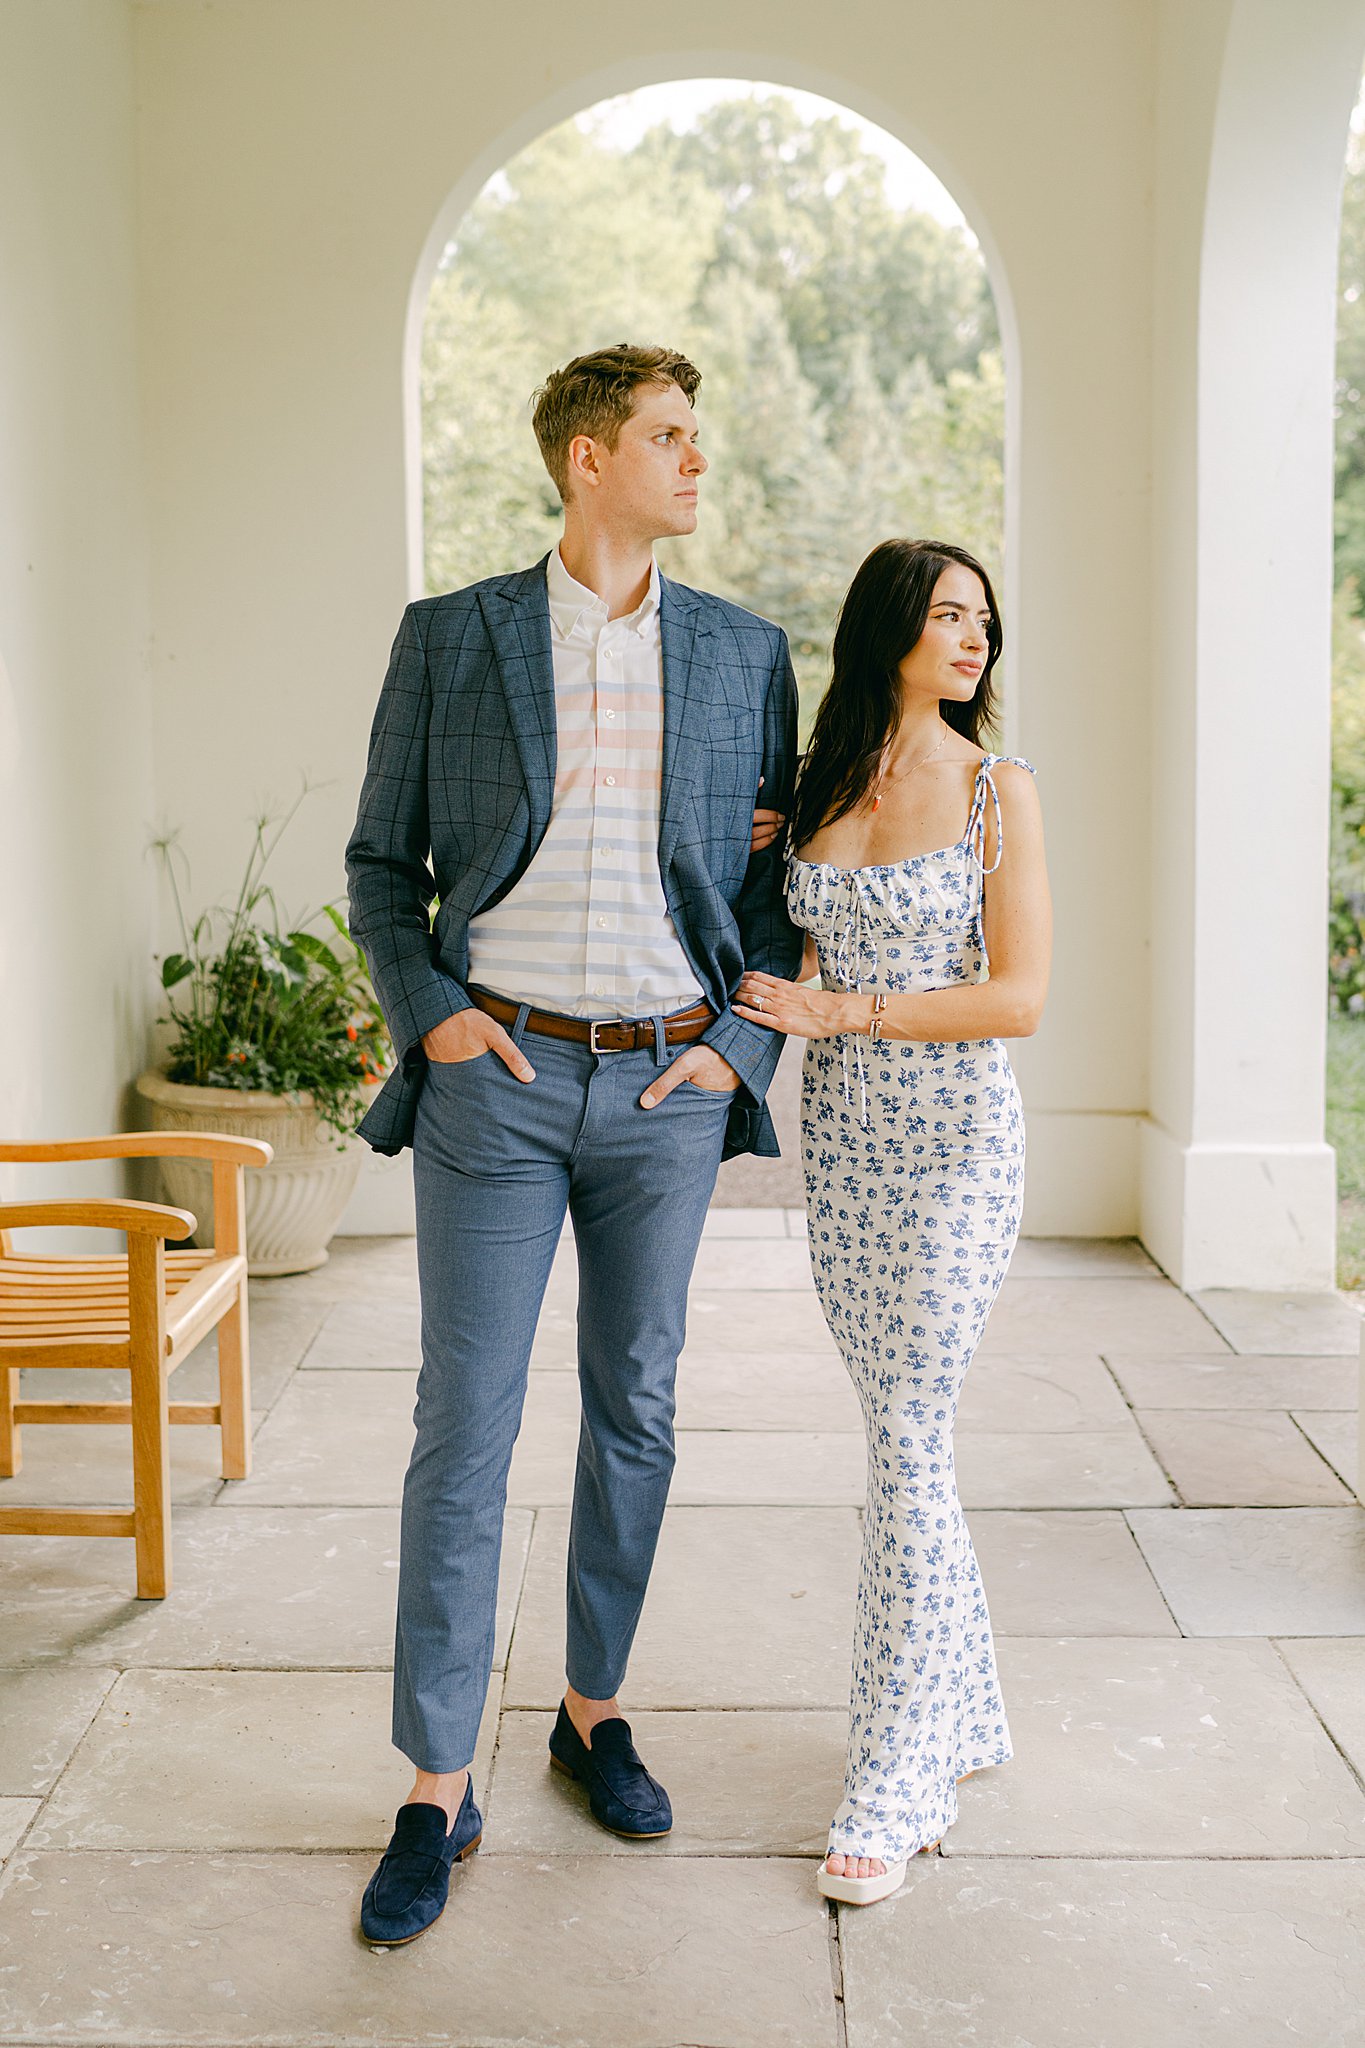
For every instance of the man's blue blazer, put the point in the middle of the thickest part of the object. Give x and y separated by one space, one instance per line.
457 796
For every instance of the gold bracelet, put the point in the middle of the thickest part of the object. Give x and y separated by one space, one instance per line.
878 1005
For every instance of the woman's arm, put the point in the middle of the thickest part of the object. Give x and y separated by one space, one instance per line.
1017 922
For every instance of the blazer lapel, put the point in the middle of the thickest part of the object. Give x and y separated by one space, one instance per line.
689 695
516 611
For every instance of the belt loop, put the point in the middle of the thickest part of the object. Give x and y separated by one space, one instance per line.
660 1042
523 1012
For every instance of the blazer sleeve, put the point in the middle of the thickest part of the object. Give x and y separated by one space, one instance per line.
390 880
771 943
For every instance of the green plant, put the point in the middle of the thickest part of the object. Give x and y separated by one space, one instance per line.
266 1008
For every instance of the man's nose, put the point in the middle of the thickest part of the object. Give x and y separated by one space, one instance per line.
697 464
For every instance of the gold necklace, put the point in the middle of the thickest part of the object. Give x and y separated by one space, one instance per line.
881 772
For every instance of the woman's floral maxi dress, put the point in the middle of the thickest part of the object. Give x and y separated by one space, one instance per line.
914 1169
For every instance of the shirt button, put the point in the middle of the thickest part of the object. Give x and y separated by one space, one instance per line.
610 781
608 714
606 852
601 924
599 992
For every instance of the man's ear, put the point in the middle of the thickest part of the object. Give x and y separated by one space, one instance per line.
583 467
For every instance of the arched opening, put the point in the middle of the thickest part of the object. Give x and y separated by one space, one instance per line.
841 309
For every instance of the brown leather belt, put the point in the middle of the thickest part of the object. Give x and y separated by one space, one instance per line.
602 1034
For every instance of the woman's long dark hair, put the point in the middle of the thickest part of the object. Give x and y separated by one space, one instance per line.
880 620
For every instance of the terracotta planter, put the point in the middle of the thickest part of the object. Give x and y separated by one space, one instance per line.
293 1205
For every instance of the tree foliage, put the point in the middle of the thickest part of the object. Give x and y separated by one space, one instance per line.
1346 970
852 382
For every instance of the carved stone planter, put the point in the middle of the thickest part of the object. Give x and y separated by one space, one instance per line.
293 1205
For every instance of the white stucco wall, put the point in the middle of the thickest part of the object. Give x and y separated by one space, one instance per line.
76 792
295 159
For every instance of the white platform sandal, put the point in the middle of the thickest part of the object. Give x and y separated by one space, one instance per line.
861 1891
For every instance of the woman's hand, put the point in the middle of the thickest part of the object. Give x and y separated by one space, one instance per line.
767 825
798 1012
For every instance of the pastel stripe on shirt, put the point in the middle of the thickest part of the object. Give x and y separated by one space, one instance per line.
586 930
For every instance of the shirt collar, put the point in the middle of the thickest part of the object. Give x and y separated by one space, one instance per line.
573 604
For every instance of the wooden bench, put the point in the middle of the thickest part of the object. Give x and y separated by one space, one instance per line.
142 1313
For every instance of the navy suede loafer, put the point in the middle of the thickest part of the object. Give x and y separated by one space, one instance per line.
408 1891
621 1793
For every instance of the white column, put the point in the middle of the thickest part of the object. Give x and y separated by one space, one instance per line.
1238 1187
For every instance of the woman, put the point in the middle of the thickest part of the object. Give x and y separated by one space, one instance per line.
912 1144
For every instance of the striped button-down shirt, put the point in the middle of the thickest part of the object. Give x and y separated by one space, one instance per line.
586 930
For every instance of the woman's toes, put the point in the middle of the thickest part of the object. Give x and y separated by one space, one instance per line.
834 1864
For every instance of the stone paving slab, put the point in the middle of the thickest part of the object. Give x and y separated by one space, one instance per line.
728 1223
1079 1468
753 1264
370 1336
239 1760
1335 1435
1080 1258
747 1607
1057 1392
741 1784
770 1468
1258 1571
1240 1458
106 1951
1234 1381
1079 1953
334 1439
357 1267
1331 1671
1066 1573
90 1464
1293 1324
268 1587
782 1391
1098 1315
15 1816
44 1712
745 1326
1166 1748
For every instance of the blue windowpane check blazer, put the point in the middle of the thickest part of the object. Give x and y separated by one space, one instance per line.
457 796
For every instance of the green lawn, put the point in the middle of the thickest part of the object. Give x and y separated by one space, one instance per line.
1346 1130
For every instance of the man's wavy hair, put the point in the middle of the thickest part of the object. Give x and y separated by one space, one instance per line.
595 395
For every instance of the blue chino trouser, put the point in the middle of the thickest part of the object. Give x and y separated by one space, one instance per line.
497 1163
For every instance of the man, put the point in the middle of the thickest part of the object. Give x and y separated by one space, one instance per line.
576 749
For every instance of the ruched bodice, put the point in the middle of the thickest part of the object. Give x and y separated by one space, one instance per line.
906 924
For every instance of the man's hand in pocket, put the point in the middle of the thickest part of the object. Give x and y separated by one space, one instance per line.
468 1034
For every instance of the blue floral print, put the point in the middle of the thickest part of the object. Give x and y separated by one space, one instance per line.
914 1186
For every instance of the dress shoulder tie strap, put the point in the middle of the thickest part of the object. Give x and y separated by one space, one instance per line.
976 822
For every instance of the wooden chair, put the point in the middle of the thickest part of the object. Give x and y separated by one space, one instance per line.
142 1313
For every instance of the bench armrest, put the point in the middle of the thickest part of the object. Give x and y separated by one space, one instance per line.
212 1145
152 1219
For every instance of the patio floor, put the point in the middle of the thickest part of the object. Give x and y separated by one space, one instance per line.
192 1793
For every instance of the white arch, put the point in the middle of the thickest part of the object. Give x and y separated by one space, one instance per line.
627 75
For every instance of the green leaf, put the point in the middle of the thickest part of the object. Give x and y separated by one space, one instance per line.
317 951
174 968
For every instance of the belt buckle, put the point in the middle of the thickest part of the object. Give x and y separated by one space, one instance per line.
597 1024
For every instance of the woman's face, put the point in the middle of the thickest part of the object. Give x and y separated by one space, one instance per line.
948 657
